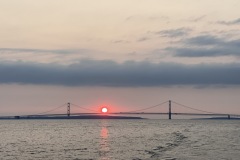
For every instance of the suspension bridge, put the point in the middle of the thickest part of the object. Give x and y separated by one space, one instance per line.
143 111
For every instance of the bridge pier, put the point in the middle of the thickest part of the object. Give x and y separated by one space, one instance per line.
229 117
68 109
170 110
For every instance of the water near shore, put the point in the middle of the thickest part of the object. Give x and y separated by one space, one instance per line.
119 139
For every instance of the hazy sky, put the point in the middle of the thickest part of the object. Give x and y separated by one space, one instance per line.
126 54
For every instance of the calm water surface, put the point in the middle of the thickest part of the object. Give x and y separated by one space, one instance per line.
119 139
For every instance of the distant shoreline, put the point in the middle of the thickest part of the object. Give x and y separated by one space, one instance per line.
217 118
70 117
32 117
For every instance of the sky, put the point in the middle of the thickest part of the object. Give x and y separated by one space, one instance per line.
124 54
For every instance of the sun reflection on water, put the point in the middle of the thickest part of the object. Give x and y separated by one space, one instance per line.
104 146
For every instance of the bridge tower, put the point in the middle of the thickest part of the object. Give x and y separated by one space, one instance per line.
68 109
170 110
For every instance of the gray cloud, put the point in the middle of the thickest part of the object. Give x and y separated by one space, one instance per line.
204 40
197 19
110 73
207 46
120 41
236 21
199 52
57 51
143 39
174 32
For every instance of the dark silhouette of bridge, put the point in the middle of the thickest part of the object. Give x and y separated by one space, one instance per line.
142 111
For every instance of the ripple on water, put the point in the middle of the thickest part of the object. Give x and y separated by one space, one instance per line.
119 139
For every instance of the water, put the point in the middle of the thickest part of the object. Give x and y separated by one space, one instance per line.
119 139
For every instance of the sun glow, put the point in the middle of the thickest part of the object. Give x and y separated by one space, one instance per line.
104 110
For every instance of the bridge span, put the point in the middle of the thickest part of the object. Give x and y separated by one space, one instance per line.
142 111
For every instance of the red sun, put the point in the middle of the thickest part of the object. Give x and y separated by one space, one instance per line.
104 110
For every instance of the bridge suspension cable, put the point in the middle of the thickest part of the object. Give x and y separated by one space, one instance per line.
148 107
194 108
77 106
41 113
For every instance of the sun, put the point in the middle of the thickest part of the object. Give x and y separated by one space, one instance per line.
104 110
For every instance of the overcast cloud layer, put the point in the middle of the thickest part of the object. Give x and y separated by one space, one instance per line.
110 73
